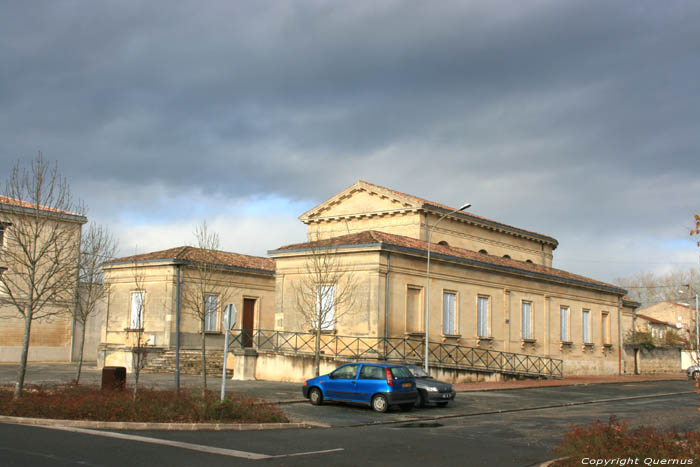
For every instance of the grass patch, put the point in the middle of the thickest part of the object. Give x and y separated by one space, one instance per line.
615 440
152 405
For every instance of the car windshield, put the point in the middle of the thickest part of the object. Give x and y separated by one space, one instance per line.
400 372
417 371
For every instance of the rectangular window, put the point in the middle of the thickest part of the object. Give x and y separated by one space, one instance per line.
448 313
606 328
414 318
586 326
325 307
527 320
482 317
136 310
564 313
2 234
211 306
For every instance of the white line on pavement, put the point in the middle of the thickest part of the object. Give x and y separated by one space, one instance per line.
190 446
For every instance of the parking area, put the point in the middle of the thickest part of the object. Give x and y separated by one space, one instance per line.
474 403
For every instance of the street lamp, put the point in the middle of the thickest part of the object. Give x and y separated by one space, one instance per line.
697 336
427 281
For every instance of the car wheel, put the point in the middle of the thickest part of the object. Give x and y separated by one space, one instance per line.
379 403
406 407
315 396
442 404
420 400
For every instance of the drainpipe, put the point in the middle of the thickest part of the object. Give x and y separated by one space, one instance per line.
386 301
619 335
76 294
178 293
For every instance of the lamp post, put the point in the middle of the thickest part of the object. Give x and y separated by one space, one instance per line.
427 282
697 336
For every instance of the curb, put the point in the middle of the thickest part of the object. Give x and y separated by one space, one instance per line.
156 426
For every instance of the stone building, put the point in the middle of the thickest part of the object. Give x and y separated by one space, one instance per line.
51 339
676 315
147 294
492 285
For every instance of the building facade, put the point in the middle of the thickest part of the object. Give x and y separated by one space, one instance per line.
148 295
51 338
491 285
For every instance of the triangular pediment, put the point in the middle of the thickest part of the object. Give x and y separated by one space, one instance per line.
360 198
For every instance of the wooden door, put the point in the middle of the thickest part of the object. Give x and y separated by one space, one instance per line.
248 321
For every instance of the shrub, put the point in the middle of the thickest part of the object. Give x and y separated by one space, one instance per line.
151 405
615 440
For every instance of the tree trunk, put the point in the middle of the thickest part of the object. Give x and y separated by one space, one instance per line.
22 370
317 352
204 361
138 356
80 354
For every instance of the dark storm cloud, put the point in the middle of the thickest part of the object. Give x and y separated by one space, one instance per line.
556 116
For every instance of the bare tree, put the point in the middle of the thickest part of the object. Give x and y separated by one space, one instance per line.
96 246
649 288
204 291
139 299
324 293
42 241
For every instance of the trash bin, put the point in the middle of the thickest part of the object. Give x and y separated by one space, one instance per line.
113 378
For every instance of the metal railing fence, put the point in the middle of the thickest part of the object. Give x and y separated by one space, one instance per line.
398 349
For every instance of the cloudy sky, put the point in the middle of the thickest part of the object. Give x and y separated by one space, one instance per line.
578 119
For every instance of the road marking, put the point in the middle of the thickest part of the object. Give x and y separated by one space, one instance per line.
190 446
518 409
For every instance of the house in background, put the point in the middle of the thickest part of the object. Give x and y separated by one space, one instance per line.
678 316
656 328
51 339
146 296
492 285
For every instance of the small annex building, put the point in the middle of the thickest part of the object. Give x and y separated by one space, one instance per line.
148 297
492 285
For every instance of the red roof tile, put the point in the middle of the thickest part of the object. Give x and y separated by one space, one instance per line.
189 253
654 320
27 205
372 237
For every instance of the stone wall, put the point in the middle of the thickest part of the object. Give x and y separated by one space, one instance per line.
659 360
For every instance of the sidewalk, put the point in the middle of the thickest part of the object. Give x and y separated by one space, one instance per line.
277 391
571 381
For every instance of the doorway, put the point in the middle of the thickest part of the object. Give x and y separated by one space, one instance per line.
248 321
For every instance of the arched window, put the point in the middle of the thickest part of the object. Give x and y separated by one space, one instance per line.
483 252
528 261
443 243
506 256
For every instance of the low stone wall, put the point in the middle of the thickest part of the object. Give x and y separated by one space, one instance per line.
659 360
271 366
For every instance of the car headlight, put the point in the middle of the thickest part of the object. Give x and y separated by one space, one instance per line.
432 389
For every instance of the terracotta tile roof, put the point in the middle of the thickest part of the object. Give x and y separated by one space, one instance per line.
189 253
27 205
372 237
654 320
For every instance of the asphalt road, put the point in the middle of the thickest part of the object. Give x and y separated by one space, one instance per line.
494 428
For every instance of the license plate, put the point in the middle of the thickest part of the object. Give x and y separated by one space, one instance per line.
445 396
406 385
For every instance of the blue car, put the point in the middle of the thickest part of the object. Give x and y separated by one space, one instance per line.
378 385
